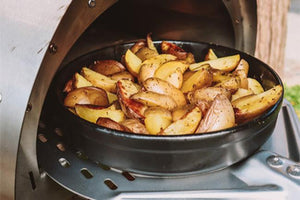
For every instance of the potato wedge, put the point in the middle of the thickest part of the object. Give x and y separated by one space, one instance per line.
122 75
111 97
99 80
241 93
138 45
190 59
180 112
242 72
210 55
91 113
130 107
148 67
251 106
202 78
149 98
187 74
68 86
227 63
80 81
232 84
186 125
133 63
145 53
135 126
86 95
150 43
255 86
170 48
219 116
107 67
109 123
243 65
157 119
207 94
163 87
220 76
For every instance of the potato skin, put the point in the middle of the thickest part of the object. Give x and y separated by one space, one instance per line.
202 78
157 119
86 95
107 67
135 126
109 123
138 45
170 48
219 116
145 53
124 75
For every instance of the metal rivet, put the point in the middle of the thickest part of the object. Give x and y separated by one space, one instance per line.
29 107
274 161
92 3
294 171
52 48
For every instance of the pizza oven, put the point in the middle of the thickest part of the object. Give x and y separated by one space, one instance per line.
40 38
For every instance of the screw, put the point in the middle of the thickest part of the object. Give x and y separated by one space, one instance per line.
294 171
92 3
52 48
274 161
29 107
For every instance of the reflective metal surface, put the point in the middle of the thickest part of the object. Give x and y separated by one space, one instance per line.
253 178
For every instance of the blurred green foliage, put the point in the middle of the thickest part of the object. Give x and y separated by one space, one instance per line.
292 94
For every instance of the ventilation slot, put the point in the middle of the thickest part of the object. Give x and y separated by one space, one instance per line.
128 176
110 184
42 138
86 173
64 163
61 146
32 181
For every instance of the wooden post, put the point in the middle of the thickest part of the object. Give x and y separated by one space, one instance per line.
271 32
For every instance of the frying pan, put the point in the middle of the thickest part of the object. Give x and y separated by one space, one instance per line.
162 155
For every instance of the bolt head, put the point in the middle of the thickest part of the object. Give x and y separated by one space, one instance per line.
274 161
294 171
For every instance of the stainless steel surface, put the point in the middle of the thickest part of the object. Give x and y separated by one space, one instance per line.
255 178
27 67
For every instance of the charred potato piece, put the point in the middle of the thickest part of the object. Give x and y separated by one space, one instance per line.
157 119
109 123
122 75
133 63
145 53
91 113
251 106
186 125
210 55
163 87
149 98
190 59
202 78
99 80
148 67
227 63
86 95
107 67
219 116
130 107
170 48
255 86
135 126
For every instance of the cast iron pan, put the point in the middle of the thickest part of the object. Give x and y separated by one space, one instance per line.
164 155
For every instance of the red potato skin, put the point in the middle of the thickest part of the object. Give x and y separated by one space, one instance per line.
107 67
170 48
109 123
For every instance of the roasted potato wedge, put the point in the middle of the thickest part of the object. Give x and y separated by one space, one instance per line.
207 94
109 123
68 86
251 106
243 65
122 75
111 97
135 126
157 119
91 113
133 63
227 63
232 84
138 45
148 67
180 112
149 98
107 67
190 59
80 81
241 93
150 43
99 80
220 76
163 87
255 86
145 53
186 125
86 95
202 78
219 116
242 72
210 55
130 107
170 48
